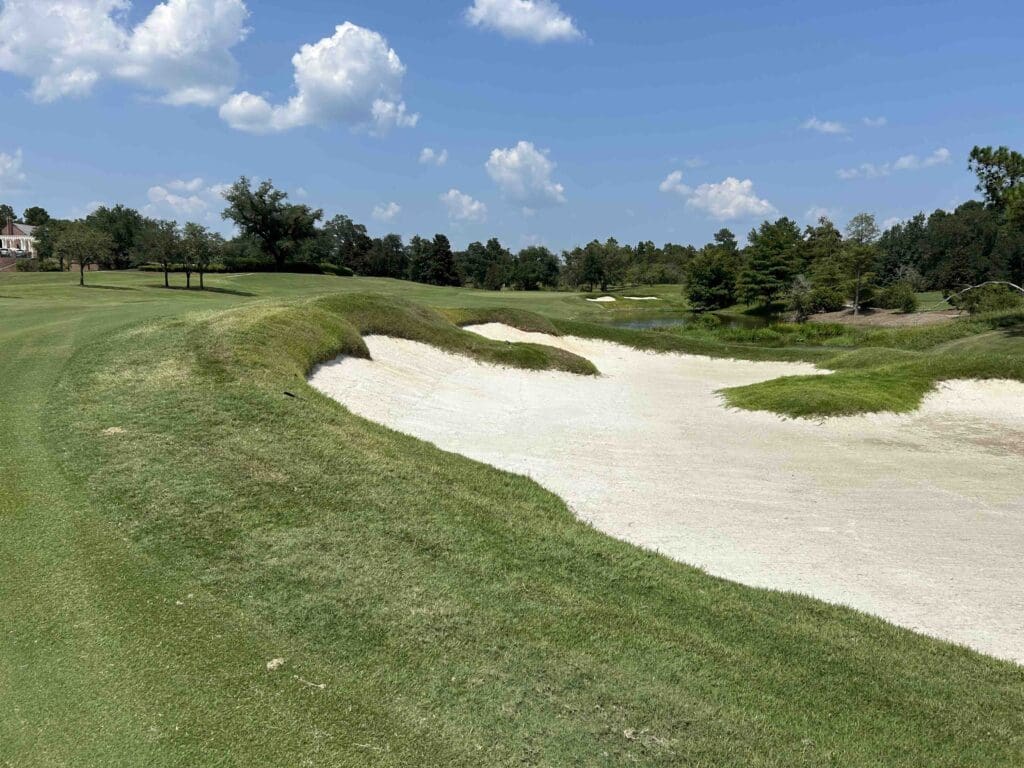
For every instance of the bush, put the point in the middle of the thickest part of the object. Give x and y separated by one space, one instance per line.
806 300
27 265
899 296
990 298
334 269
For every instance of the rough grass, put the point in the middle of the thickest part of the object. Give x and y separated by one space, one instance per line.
893 370
455 615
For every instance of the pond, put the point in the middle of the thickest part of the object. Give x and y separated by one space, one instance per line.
726 321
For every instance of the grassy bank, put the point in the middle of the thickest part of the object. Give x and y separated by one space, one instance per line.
171 520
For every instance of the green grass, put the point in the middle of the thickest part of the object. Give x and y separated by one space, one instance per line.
892 370
456 615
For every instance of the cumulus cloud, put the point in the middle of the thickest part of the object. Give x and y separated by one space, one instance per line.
729 199
673 183
540 21
430 157
941 156
523 174
182 49
462 207
875 122
352 77
11 175
824 126
386 212
185 199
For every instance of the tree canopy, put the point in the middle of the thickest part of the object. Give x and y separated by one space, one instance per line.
263 213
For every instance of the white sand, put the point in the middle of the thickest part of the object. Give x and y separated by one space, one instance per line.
916 518
602 299
641 298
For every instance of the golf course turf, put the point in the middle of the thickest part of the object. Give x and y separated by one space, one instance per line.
178 508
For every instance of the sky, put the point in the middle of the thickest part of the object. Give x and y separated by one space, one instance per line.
534 121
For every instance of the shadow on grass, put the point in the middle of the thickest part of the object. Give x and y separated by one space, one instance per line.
197 289
108 287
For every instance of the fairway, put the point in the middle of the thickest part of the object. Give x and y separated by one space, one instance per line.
178 509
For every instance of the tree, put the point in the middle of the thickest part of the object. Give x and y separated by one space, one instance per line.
387 257
349 245
487 266
279 227
772 259
821 243
860 256
535 267
959 247
6 214
78 242
432 262
160 242
473 265
35 216
711 279
46 241
123 226
998 170
901 249
198 247
592 269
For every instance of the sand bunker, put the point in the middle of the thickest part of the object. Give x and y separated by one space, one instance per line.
602 299
641 298
917 518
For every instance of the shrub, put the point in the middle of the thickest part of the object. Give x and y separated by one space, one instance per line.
27 265
805 299
335 269
989 298
899 296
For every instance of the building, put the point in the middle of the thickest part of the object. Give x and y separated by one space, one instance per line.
17 240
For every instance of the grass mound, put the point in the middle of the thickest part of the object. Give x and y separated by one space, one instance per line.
453 614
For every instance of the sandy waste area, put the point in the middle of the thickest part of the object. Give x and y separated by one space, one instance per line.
917 518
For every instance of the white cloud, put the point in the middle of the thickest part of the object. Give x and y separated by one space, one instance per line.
523 174
540 21
182 49
11 175
941 156
875 122
673 184
185 199
462 207
193 185
386 212
429 157
301 193
351 77
816 212
891 222
824 126
730 199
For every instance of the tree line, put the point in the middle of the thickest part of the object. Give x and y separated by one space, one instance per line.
815 269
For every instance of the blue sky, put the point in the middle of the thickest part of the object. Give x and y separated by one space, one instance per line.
561 123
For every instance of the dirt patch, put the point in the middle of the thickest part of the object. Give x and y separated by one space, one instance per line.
887 318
